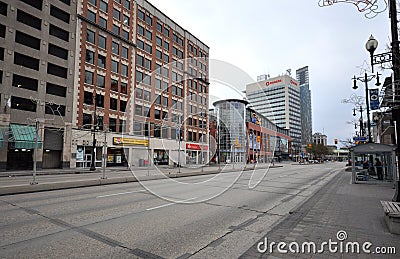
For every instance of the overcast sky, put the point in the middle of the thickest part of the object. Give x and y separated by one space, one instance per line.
271 36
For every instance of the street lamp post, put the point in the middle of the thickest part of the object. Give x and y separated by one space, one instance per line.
92 163
365 80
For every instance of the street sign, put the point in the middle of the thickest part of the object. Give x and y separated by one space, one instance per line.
360 138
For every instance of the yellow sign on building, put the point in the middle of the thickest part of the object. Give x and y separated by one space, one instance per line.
130 141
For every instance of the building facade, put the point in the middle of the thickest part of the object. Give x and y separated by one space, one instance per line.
142 84
302 77
37 69
120 72
319 138
243 135
278 99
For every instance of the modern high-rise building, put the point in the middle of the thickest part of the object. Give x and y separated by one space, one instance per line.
37 71
302 77
278 99
120 71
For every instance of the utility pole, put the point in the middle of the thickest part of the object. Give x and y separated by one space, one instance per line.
104 155
93 159
148 147
35 152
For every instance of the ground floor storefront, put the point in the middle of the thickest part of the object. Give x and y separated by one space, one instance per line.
18 143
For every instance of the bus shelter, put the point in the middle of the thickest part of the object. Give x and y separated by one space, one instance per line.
373 163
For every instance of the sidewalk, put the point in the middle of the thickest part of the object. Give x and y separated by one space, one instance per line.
340 206
15 182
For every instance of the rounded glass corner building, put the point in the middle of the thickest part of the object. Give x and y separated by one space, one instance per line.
245 136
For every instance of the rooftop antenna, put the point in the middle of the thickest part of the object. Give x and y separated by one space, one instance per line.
289 71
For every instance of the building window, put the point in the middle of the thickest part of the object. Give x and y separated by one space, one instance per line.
60 14
159 27
140 44
58 51
103 6
57 90
102 42
157 114
116 14
2 31
124 70
102 22
124 52
137 128
100 100
89 77
27 40
166 32
146 96
158 41
24 104
26 61
122 106
34 3
165 101
113 104
59 33
158 54
149 21
125 34
115 48
157 83
87 121
166 58
124 88
101 61
91 16
149 35
125 20
140 30
148 48
55 109
90 36
29 20
93 2
127 4
101 81
139 93
115 29
112 124
141 15
114 85
89 56
25 82
114 66
138 110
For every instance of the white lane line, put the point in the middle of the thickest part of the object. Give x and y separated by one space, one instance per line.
169 204
114 194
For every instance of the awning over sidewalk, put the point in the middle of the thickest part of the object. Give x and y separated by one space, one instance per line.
24 136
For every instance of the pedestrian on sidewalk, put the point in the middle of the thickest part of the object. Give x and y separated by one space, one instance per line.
379 169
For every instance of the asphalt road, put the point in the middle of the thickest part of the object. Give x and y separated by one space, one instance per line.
200 216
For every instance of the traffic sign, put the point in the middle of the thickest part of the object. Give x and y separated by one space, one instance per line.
360 138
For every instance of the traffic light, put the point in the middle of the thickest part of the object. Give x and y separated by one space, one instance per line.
336 141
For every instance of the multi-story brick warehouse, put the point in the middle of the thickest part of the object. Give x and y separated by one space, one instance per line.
37 64
112 47
139 65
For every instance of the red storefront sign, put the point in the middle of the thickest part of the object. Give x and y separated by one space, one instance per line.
196 147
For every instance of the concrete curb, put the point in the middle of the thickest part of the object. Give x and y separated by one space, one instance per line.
19 189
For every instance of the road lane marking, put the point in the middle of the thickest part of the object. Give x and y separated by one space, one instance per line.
114 194
169 204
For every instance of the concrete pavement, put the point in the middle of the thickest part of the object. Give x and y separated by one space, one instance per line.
351 210
15 182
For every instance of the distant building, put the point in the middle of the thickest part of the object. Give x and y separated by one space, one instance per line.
244 135
278 99
305 105
319 138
